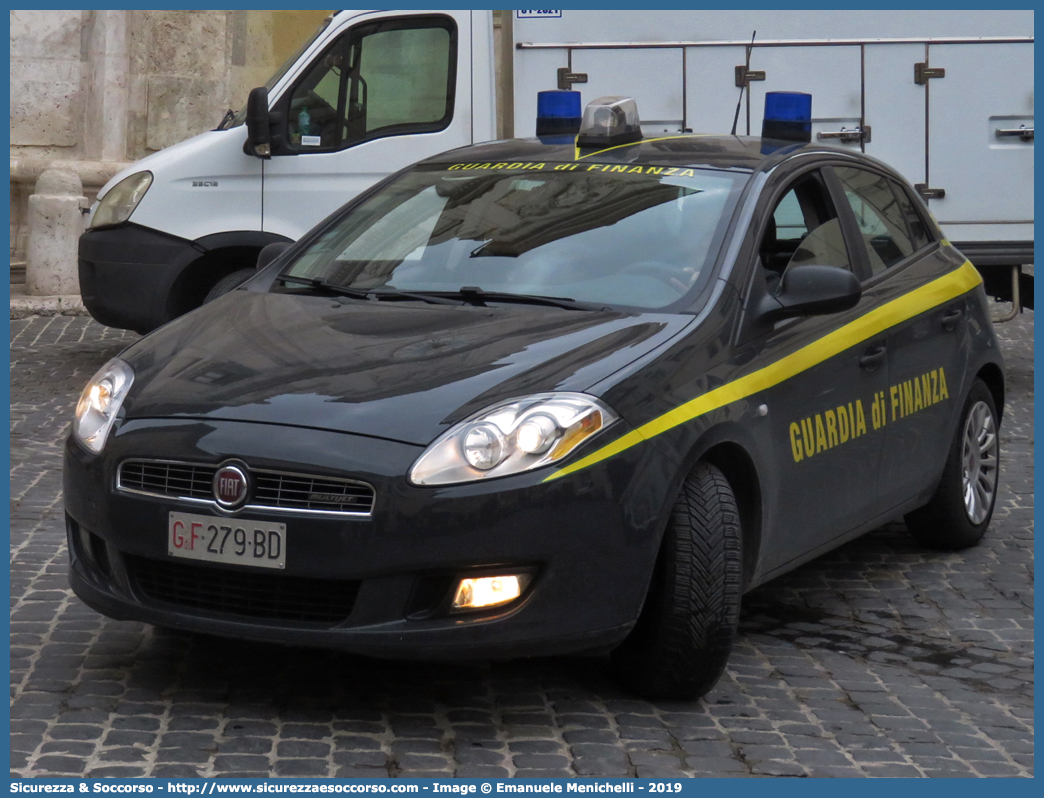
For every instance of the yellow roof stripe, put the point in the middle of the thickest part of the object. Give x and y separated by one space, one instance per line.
578 156
918 301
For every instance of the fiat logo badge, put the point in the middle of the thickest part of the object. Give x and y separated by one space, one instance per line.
230 487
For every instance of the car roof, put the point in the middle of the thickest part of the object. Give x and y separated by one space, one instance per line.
743 153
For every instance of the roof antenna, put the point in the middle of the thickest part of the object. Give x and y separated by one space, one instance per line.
739 102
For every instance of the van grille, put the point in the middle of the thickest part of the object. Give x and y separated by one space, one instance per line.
272 490
275 597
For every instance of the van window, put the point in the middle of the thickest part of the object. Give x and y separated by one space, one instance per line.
392 77
405 77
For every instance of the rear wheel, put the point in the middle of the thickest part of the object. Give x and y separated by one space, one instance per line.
683 638
958 514
228 283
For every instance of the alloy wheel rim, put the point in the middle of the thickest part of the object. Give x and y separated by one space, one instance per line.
979 463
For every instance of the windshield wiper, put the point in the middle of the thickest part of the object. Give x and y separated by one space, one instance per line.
228 117
474 295
363 293
468 294
313 282
423 296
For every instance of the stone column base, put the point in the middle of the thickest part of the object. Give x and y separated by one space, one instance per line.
24 306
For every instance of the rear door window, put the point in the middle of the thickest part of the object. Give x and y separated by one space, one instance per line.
920 233
879 216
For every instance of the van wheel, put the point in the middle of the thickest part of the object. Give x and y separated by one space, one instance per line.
958 514
679 647
228 283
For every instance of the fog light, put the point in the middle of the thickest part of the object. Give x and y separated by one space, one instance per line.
85 543
488 591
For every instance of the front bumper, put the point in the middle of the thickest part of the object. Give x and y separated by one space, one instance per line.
590 539
127 274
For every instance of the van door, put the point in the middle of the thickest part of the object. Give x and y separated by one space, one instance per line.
832 75
894 108
390 90
653 77
974 149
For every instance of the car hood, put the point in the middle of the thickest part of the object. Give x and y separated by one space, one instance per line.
404 371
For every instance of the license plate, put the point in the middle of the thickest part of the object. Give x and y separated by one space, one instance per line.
234 541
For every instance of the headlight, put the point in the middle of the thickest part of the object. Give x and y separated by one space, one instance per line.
512 437
121 200
100 402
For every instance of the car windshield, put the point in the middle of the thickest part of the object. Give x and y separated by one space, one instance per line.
625 235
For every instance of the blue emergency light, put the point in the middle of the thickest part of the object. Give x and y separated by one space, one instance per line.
558 113
788 116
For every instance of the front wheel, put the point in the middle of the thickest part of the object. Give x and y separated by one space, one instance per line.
679 647
958 514
229 282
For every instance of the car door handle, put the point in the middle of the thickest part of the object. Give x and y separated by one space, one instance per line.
873 357
949 320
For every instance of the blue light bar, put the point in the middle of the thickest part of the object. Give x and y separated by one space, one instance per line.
788 116
558 113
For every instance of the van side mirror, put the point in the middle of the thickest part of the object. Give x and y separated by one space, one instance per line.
272 251
810 291
259 132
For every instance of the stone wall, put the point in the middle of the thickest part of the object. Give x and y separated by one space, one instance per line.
96 90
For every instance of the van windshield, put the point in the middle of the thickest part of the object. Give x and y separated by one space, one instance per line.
625 235
239 117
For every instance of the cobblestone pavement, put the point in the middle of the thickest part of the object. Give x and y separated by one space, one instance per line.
879 659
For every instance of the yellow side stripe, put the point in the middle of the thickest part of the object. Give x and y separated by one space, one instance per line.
834 343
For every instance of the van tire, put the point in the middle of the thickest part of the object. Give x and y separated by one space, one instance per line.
229 283
681 643
944 523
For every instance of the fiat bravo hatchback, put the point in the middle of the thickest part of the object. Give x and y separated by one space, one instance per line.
530 397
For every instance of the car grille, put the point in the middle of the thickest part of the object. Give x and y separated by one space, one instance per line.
296 491
168 479
273 490
244 593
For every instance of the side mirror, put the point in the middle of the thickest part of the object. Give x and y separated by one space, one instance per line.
272 251
811 290
259 133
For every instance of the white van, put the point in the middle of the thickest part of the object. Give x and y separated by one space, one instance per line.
946 98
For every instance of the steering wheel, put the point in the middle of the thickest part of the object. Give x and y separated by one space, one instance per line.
680 280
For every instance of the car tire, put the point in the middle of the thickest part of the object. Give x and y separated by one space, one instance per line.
228 283
679 647
959 513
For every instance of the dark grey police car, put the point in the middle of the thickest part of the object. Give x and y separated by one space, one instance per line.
547 396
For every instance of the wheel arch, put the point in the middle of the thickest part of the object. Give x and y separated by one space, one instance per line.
220 255
734 460
992 375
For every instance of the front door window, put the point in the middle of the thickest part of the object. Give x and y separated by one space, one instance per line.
392 77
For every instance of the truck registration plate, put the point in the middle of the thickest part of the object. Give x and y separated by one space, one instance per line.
234 541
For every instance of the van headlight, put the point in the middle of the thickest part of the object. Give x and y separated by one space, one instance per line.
512 437
100 402
120 201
